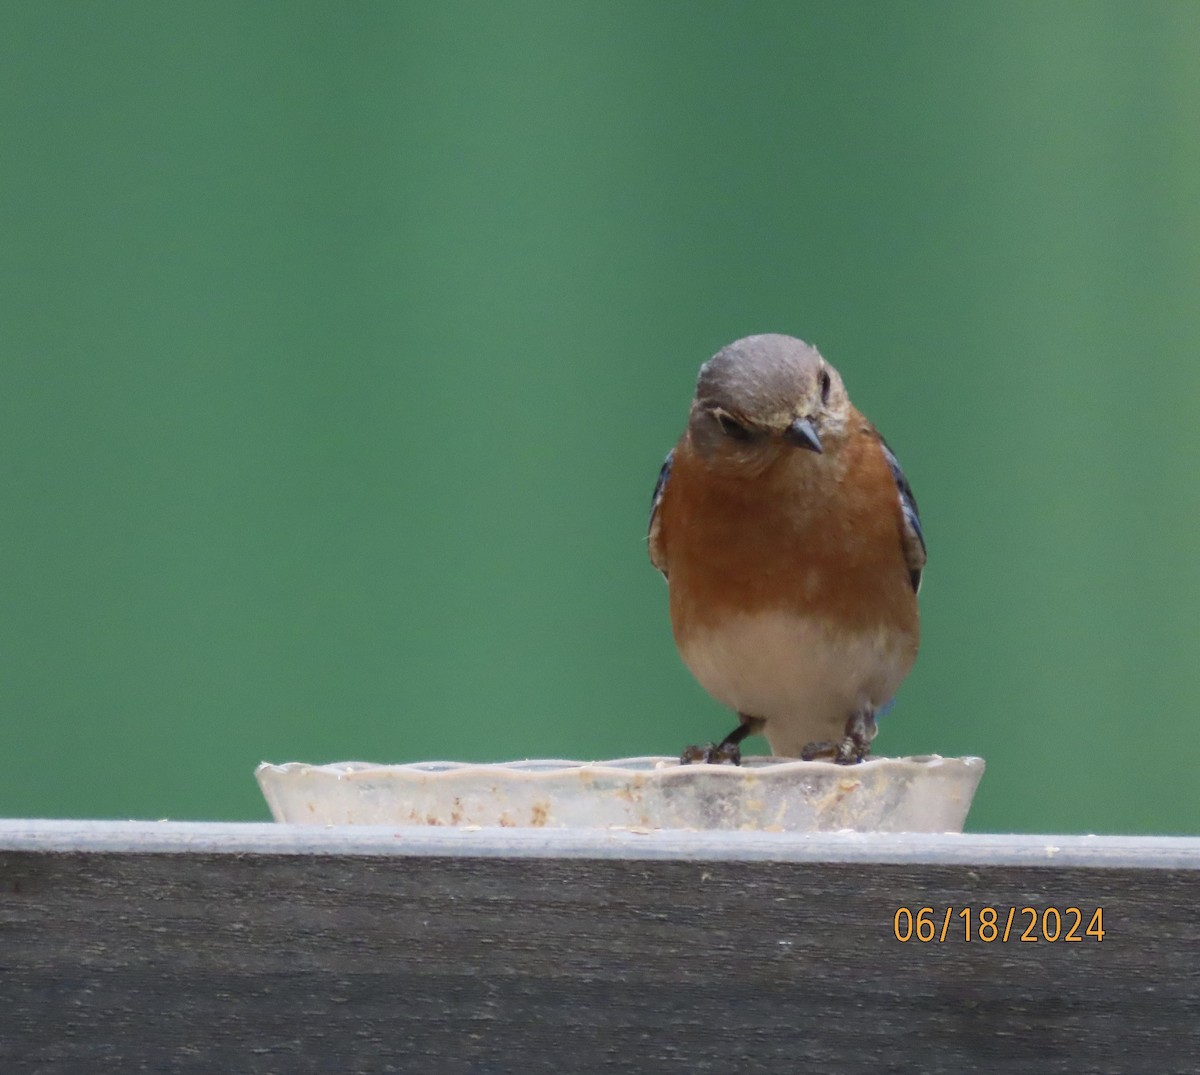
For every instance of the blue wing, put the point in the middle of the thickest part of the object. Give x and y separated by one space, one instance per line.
913 535
657 555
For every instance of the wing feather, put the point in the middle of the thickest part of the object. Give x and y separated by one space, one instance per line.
911 533
658 555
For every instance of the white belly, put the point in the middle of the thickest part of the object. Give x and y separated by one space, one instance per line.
801 678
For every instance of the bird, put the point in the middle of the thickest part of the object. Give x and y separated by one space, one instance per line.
793 551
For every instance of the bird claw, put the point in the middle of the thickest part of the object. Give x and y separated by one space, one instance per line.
845 751
712 754
849 750
824 749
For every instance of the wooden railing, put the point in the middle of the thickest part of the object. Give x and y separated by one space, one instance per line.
135 946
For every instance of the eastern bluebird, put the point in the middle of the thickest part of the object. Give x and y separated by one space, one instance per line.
793 551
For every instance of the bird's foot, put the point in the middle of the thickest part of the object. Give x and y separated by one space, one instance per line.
840 751
728 751
852 748
724 753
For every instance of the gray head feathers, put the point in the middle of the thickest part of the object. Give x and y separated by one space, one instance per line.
768 381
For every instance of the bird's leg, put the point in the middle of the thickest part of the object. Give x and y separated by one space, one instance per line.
727 750
852 747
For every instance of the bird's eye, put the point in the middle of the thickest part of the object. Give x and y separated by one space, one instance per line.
731 427
825 383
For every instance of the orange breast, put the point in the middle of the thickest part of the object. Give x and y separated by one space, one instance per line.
818 535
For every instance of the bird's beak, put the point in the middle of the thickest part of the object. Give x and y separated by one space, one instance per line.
803 434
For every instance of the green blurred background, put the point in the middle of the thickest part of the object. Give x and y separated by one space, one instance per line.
340 345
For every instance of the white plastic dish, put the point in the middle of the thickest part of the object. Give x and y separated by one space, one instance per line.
916 794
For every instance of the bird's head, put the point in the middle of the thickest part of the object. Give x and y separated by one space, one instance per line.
763 396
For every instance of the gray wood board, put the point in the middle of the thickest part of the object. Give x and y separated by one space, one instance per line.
257 948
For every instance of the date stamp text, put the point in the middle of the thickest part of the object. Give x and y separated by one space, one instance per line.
1025 925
